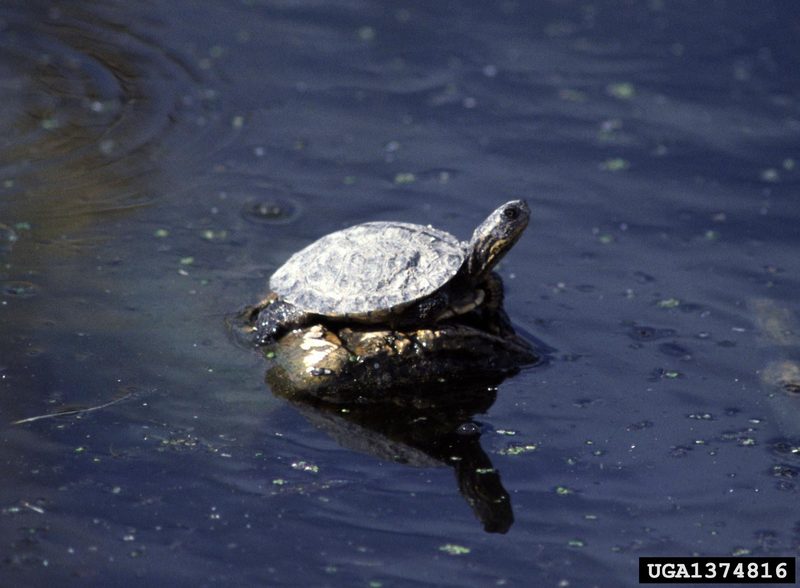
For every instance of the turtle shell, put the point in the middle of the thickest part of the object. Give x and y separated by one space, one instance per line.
369 270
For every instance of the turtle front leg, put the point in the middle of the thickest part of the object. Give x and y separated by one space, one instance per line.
492 312
494 292
275 318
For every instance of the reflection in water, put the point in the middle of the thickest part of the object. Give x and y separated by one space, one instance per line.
407 396
424 427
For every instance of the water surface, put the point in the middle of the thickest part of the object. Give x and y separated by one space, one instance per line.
159 160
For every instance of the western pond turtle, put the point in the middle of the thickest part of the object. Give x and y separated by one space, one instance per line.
392 273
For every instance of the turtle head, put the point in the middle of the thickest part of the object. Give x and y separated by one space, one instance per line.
495 236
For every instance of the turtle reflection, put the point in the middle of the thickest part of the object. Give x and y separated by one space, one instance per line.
431 427
407 396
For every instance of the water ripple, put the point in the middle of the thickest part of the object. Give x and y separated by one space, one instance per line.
95 104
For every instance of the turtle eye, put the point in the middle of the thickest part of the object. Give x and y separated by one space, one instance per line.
511 213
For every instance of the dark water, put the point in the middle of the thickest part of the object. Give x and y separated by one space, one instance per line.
159 160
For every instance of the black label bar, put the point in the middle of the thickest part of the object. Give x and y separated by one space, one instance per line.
716 570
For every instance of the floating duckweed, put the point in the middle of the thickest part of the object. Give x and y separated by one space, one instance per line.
576 543
453 549
672 374
187 260
747 442
366 33
770 175
711 235
615 164
210 235
668 303
788 164
279 482
237 122
305 466
349 180
739 551
405 178
564 491
161 233
518 449
606 238
622 90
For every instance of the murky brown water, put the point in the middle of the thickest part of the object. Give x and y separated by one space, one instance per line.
159 160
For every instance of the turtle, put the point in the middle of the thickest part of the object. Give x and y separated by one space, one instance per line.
390 273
